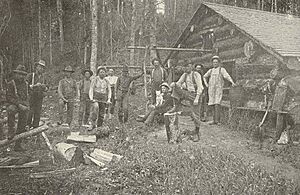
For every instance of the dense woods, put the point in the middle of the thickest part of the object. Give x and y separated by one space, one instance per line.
96 32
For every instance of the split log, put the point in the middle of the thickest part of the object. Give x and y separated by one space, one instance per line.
104 157
97 162
82 138
49 146
172 128
70 153
51 173
26 165
24 135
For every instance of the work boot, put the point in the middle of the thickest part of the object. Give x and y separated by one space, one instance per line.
196 135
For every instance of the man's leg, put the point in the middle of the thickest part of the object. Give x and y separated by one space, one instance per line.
37 110
11 115
95 110
31 112
113 102
102 107
120 109
87 111
153 95
196 119
70 110
61 111
125 107
217 113
150 117
22 120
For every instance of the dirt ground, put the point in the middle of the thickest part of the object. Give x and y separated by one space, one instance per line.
152 166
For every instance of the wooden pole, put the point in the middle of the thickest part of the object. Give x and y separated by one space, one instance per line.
24 135
40 28
50 34
170 49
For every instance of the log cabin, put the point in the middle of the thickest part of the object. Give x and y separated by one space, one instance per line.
251 43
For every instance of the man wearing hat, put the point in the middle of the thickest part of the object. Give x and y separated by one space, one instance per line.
100 94
37 89
85 103
215 86
67 92
122 88
112 79
18 103
158 76
163 107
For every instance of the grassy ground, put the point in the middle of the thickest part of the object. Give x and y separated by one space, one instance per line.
149 166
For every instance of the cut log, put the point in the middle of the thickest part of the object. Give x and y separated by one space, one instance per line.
24 135
26 165
51 173
82 138
104 157
70 153
172 128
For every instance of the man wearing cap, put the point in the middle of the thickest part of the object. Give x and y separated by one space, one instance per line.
158 76
112 79
85 103
100 94
163 107
37 89
122 88
189 87
18 103
215 86
67 92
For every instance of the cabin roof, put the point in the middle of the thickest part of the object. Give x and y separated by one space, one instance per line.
280 32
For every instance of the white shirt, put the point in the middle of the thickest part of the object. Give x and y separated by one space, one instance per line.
112 80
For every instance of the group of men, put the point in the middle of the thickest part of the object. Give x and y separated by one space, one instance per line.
198 88
98 95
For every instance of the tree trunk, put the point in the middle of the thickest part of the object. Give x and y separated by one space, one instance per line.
258 4
111 38
85 36
132 33
40 28
175 8
50 35
151 8
94 35
262 4
275 6
102 27
60 23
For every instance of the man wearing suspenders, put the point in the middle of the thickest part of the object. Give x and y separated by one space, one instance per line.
37 88
189 87
158 76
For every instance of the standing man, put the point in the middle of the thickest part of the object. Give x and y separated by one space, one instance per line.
112 79
122 88
37 89
100 94
215 87
189 87
158 76
67 92
204 96
18 103
85 103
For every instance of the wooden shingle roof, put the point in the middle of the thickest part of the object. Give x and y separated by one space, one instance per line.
279 32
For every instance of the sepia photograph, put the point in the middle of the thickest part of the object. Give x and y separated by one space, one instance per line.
172 97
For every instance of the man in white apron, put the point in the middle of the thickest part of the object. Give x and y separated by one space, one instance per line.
215 86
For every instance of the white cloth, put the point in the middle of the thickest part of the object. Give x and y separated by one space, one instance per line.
189 82
112 80
216 84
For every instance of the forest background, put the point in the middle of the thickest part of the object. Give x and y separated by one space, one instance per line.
90 33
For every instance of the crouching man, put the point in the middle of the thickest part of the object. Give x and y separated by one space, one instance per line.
189 87
18 103
163 107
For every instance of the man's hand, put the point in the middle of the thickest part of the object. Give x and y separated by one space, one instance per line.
109 101
233 84
23 107
196 102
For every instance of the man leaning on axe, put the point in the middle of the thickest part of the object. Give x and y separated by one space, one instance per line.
37 89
